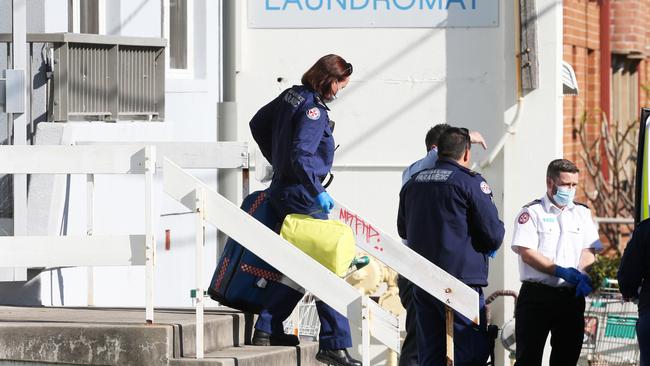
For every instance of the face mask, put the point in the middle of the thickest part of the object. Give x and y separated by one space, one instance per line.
564 196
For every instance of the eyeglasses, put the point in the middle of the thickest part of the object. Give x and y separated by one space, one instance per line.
348 69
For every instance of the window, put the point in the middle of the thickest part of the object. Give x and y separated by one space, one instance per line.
625 89
179 34
86 16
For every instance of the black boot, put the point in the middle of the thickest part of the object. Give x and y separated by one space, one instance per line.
336 357
261 338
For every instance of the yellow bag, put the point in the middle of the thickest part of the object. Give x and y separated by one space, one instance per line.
329 242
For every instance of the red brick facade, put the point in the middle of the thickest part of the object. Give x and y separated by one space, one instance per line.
629 35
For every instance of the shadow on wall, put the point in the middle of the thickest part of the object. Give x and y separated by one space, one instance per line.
393 116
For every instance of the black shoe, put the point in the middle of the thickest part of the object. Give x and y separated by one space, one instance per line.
261 338
336 357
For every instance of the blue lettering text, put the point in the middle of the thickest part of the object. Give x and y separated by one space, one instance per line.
269 7
403 7
430 4
385 1
342 4
312 7
353 7
297 2
461 2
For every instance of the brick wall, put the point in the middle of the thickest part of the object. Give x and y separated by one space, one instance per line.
582 51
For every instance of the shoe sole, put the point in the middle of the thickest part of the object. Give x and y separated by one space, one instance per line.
328 361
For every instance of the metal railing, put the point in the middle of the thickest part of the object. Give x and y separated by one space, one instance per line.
101 78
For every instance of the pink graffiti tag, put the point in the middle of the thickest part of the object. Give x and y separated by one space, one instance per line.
360 227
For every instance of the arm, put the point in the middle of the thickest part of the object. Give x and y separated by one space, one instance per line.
486 228
477 138
631 272
587 258
306 138
536 260
261 128
401 214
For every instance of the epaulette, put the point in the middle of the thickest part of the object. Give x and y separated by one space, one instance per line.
532 203
580 204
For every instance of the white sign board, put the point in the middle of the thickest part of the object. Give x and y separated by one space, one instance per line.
372 13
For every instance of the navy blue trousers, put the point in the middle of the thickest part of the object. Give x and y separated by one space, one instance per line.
334 329
409 353
471 342
643 335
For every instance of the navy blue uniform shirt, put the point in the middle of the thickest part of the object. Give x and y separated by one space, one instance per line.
293 134
447 215
634 272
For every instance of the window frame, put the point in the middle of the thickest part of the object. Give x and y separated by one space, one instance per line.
187 73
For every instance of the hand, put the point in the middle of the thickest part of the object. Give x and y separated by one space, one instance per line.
477 138
325 201
571 275
584 287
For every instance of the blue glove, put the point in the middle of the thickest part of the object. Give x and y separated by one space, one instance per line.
571 275
492 254
325 201
584 287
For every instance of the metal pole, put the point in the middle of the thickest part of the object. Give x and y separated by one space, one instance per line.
90 216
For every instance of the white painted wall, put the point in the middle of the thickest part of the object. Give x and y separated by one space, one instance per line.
406 80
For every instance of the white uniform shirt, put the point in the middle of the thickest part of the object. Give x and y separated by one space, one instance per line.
559 235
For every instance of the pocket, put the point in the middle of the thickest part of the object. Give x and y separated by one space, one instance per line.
549 235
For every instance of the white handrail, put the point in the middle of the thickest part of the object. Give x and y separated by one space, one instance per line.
417 269
86 250
285 257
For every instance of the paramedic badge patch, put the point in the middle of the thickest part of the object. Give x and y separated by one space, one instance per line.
485 188
313 113
523 218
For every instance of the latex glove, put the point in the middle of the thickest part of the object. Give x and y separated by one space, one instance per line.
492 254
584 287
571 275
325 201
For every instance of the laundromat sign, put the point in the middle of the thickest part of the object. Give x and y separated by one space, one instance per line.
372 13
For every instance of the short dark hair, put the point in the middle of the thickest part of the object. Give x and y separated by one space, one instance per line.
453 143
433 135
327 70
558 166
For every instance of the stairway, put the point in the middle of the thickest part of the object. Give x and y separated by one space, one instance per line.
118 336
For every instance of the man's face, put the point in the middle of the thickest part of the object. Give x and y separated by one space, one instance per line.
567 180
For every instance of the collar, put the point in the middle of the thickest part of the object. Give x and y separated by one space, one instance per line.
320 101
455 164
549 206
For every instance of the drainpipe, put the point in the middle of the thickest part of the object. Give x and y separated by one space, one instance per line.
227 106
605 66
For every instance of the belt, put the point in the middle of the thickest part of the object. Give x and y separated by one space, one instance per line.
547 287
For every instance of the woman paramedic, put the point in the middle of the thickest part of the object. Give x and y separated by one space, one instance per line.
294 133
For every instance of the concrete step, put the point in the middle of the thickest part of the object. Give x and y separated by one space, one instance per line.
101 336
302 355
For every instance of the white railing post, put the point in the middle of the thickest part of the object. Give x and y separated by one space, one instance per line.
200 242
150 167
365 331
90 220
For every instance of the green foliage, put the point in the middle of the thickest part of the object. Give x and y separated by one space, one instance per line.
604 267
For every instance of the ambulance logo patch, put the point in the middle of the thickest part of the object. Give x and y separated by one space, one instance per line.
523 218
313 113
485 188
